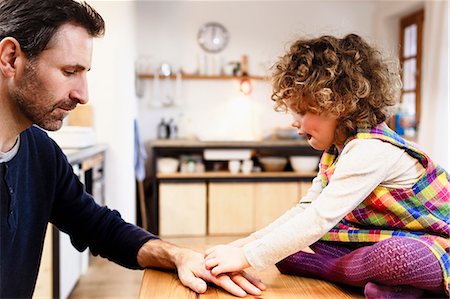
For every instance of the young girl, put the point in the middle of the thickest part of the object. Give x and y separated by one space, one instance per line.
377 214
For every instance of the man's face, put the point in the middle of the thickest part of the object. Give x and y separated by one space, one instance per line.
53 84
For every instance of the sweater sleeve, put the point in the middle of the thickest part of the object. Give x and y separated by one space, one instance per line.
357 173
90 225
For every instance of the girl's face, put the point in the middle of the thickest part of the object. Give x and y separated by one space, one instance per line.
318 129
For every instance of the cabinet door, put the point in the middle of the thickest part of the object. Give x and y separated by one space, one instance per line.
44 283
182 209
230 209
303 188
272 199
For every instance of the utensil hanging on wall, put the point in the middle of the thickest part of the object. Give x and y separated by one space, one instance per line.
142 65
166 90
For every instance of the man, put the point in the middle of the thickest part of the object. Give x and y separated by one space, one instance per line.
45 52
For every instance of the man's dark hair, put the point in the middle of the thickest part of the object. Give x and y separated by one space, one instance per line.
33 23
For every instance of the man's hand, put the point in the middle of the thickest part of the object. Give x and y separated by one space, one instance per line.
192 270
225 258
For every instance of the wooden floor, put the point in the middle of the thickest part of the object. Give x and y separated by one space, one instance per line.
105 279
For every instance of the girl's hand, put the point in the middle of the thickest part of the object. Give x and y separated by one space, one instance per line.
243 241
224 259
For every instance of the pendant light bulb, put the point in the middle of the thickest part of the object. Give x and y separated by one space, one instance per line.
245 85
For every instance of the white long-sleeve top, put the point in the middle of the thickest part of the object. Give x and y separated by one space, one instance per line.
363 165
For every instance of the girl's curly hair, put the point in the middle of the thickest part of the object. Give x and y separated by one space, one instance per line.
345 78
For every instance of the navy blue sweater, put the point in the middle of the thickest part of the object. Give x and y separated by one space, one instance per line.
38 186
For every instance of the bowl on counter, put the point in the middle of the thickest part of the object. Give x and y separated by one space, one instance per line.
167 165
287 133
273 163
304 163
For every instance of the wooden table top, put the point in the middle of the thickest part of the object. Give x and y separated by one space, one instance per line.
161 284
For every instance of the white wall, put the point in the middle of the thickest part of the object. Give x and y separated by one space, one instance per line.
434 124
111 86
387 22
167 32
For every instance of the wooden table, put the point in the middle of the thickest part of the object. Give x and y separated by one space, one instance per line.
161 284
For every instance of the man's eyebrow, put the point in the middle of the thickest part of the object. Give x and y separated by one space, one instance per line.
79 67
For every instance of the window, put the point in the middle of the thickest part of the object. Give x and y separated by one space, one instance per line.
408 116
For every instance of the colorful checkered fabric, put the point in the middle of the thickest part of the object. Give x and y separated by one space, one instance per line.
421 212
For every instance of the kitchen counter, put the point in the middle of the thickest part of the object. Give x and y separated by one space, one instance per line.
76 156
217 176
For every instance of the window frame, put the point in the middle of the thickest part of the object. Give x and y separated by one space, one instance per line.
416 18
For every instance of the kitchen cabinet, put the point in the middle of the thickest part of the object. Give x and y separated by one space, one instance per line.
182 209
230 208
242 208
236 202
272 200
61 264
44 283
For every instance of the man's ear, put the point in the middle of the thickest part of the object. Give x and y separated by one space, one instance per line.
10 53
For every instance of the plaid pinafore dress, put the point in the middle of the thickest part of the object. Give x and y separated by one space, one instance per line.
421 212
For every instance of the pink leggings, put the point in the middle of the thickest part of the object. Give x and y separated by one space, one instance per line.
396 261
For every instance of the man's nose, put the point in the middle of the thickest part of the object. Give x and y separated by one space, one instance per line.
80 91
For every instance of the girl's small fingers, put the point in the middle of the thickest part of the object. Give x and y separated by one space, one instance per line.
216 270
209 256
210 263
210 250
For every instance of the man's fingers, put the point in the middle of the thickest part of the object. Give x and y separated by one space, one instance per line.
246 284
225 282
191 281
254 280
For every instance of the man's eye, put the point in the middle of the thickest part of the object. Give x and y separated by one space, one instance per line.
69 73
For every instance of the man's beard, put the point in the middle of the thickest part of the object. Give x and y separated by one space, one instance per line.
36 103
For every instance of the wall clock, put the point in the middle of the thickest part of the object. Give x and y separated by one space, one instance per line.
213 37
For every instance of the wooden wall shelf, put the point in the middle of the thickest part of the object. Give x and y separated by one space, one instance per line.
202 77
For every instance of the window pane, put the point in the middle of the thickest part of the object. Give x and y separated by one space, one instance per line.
413 50
407 115
409 103
406 42
410 41
409 74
